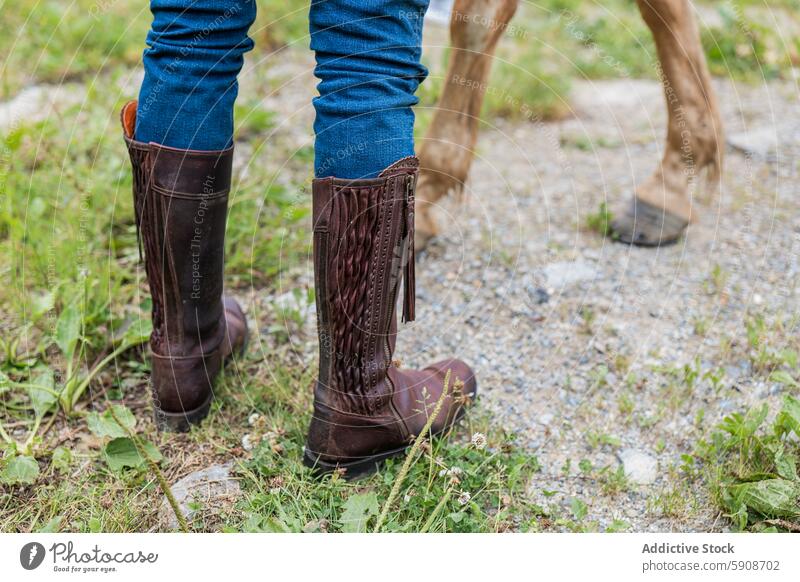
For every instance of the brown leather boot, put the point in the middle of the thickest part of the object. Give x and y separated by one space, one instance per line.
181 200
365 408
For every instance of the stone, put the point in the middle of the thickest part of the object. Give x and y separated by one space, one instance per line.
546 418
209 487
439 12
596 98
298 303
537 295
761 142
565 273
39 102
640 468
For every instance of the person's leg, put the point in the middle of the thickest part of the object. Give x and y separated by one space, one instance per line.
179 139
366 408
195 50
368 63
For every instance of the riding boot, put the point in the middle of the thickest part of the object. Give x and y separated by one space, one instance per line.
366 407
181 200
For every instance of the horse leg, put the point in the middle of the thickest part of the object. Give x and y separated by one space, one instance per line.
447 149
662 205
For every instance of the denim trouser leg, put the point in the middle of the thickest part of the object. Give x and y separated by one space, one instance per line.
195 51
368 63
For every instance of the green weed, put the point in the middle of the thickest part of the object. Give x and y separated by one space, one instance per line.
750 465
600 222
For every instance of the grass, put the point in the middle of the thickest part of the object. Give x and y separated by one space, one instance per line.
451 484
54 41
77 308
547 46
526 85
750 465
553 43
600 221
745 44
745 465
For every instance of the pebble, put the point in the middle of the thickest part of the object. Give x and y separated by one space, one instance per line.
761 142
38 102
564 273
640 468
538 295
213 487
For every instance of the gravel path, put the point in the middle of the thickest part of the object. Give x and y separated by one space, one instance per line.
570 333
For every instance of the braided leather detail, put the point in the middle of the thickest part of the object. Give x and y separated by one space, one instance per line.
354 233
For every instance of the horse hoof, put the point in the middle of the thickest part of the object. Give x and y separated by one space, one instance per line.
645 225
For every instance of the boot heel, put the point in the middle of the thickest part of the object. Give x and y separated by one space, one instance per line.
181 421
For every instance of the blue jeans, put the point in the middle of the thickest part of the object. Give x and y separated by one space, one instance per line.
368 63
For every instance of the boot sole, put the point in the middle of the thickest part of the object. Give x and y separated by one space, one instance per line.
368 465
183 421
354 469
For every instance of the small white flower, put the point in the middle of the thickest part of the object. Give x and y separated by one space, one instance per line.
464 498
247 442
253 418
479 440
452 472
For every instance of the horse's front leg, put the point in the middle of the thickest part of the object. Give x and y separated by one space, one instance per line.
662 206
447 149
